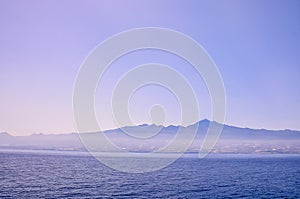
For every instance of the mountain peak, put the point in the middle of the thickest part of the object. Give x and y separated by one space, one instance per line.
204 121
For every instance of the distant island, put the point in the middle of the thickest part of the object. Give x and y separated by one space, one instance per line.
232 140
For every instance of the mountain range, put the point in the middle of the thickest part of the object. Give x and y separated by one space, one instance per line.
232 139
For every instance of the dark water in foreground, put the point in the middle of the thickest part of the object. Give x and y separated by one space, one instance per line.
34 175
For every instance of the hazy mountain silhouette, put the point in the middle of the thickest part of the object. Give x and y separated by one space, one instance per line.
153 137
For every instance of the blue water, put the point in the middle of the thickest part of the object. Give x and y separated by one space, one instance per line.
42 175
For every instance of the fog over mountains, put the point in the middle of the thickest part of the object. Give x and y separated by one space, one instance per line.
232 139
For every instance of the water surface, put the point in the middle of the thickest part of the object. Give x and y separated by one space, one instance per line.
78 175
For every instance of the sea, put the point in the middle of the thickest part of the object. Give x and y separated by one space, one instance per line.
36 174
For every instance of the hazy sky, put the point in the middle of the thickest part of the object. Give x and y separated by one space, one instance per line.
255 44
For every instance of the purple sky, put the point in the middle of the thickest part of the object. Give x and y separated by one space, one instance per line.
255 44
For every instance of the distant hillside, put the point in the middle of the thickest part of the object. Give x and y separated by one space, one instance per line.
232 139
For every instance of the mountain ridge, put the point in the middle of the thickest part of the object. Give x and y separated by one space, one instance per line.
201 122
153 137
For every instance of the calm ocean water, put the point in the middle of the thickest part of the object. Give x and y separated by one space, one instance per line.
42 175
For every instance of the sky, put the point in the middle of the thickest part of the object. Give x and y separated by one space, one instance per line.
255 44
